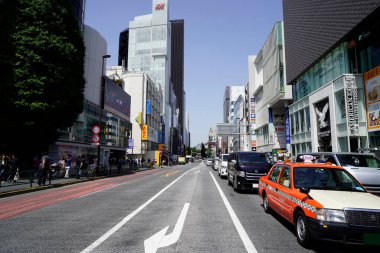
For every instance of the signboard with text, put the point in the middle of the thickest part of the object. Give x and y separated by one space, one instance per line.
372 98
352 105
144 133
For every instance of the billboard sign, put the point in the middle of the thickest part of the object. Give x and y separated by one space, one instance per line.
372 98
116 100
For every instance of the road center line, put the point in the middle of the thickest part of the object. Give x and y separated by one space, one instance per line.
239 227
127 218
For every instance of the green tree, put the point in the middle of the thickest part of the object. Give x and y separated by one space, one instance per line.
203 150
42 80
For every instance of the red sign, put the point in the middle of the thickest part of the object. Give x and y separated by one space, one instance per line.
95 138
95 129
159 7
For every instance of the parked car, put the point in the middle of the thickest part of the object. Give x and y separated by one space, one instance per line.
322 201
215 163
365 167
222 165
245 169
209 162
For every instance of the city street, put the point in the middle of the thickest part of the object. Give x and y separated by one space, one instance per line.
184 208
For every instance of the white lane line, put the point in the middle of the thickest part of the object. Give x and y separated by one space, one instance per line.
110 232
239 227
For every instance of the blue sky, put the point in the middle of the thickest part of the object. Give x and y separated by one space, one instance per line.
219 37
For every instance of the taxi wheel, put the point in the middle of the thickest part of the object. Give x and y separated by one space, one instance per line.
302 230
266 204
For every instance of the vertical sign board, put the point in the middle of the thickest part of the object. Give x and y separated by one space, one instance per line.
372 98
352 105
147 106
270 126
144 133
253 123
253 110
287 126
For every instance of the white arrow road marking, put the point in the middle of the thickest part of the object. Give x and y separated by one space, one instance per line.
160 240
239 227
113 230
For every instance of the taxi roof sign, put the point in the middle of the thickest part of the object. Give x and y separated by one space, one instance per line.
308 158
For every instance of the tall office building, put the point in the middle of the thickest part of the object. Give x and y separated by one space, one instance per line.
177 78
154 45
79 7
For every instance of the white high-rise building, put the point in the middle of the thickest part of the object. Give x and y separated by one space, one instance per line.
149 52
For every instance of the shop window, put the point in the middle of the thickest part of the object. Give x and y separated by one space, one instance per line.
302 117
343 144
292 124
297 125
340 107
307 119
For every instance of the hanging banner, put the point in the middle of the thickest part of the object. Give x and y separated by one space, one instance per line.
323 116
372 98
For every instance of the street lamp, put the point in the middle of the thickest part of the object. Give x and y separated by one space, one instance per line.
102 90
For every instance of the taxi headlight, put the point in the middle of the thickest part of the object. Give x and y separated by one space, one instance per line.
240 173
331 215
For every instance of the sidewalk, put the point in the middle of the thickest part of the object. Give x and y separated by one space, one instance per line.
24 185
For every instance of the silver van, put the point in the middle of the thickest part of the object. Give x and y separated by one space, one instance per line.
365 167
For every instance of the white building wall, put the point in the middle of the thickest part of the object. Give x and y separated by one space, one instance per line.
96 47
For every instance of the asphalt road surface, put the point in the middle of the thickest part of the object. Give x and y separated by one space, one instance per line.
184 208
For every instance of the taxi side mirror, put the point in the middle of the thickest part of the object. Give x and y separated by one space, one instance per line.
305 190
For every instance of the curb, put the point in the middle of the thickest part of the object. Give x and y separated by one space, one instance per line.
45 187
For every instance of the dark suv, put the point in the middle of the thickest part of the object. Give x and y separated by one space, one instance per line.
245 169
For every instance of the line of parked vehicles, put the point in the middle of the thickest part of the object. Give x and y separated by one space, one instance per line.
330 196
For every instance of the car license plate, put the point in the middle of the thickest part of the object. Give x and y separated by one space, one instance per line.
372 239
255 185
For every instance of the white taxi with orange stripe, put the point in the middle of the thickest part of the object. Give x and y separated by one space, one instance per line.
323 201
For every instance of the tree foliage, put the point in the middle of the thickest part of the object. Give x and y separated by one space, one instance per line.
42 80
203 150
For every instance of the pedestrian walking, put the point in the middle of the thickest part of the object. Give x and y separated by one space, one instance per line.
67 166
142 162
120 164
44 168
13 166
17 176
82 166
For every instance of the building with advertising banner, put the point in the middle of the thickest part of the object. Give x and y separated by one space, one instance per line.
269 97
145 112
326 58
95 126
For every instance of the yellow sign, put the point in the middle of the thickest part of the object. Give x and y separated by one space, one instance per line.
144 133
372 98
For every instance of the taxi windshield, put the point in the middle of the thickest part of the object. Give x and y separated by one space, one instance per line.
358 160
325 179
